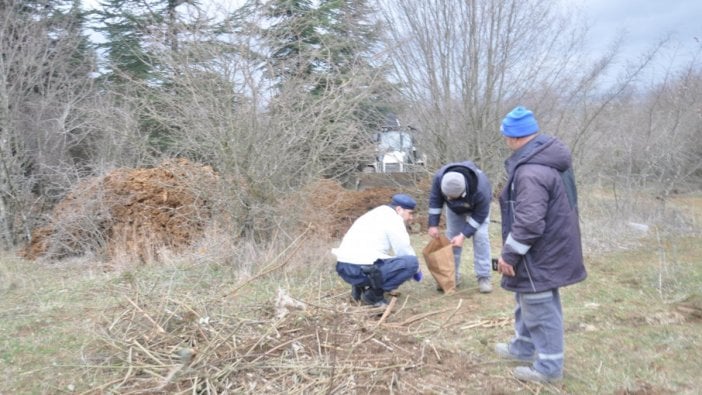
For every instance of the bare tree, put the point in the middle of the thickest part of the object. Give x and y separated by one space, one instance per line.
464 64
44 77
650 140
216 110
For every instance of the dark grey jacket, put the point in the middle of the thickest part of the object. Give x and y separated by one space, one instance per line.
475 204
540 223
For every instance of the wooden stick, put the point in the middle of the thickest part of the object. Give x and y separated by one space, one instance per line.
160 330
388 309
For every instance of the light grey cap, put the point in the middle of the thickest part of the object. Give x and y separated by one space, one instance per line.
453 184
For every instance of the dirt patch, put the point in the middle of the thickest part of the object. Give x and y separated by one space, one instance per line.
643 388
128 211
690 307
332 209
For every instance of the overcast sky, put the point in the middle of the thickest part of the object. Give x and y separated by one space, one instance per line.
645 23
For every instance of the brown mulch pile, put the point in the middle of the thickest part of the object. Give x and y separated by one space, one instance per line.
333 208
135 213
129 211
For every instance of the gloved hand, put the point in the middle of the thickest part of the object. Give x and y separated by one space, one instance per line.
418 276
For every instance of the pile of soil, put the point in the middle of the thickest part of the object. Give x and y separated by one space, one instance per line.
332 209
133 212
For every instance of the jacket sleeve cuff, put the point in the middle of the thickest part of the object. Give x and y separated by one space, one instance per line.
434 219
468 230
513 245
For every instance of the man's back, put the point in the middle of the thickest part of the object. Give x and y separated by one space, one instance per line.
374 235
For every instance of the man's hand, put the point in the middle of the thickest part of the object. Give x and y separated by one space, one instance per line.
457 241
504 268
434 232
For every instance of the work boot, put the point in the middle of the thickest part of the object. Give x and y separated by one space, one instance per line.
369 298
484 285
527 373
356 292
502 349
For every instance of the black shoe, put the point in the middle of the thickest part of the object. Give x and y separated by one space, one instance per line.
356 292
381 303
370 298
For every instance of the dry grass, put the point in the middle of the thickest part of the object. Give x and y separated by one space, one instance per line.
279 321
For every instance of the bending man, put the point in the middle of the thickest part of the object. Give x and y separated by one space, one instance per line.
466 192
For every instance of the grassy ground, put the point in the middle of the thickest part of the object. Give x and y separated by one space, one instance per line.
77 327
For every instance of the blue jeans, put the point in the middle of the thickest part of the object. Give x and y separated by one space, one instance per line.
481 244
394 271
538 329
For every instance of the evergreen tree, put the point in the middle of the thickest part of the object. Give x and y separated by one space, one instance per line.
142 39
321 60
125 25
353 41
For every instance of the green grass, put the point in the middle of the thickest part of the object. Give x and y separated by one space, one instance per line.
85 327
625 330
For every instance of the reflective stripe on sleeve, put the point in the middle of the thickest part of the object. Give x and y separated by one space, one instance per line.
518 247
434 211
473 222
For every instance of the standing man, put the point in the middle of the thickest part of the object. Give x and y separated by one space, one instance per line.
542 251
363 258
466 192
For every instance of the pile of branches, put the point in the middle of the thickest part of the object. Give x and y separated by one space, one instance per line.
289 346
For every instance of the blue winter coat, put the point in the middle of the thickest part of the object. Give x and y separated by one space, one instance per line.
540 223
475 204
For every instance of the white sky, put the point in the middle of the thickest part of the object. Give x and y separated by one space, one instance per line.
645 22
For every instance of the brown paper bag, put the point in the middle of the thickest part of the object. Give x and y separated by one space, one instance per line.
438 255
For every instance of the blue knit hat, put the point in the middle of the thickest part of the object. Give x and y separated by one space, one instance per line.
404 201
519 122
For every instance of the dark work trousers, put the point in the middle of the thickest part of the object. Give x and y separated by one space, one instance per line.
382 276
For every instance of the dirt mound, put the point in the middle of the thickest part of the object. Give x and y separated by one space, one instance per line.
332 209
134 213
129 211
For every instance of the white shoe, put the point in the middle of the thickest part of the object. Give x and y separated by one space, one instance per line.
526 373
502 349
484 285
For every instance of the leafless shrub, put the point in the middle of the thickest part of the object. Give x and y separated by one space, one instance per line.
614 220
44 78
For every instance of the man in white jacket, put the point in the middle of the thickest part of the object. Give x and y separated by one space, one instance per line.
375 255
